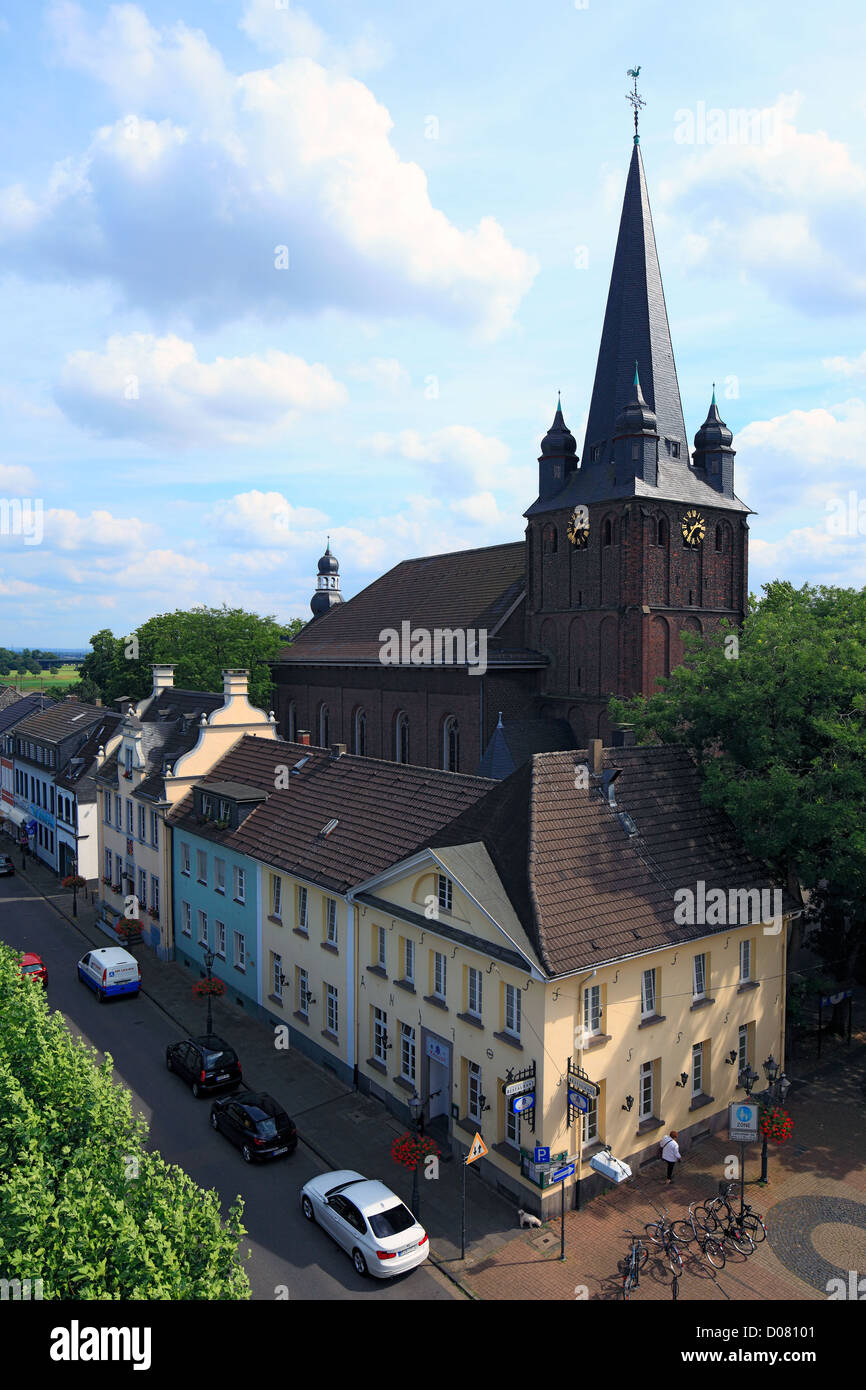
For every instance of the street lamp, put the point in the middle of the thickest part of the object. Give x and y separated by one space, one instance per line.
209 958
777 1089
416 1110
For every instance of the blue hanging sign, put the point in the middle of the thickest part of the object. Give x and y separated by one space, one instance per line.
579 1101
521 1103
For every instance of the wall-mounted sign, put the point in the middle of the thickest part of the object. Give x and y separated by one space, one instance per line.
541 1155
578 1101
517 1087
586 1088
438 1051
521 1103
560 1173
743 1121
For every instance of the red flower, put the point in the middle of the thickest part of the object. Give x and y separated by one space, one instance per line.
411 1150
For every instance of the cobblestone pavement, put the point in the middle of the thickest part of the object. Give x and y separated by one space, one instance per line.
814 1205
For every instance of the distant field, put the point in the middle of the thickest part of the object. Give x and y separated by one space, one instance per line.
55 679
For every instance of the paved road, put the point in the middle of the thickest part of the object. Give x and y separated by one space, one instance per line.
286 1251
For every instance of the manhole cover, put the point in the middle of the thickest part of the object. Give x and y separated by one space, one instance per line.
543 1242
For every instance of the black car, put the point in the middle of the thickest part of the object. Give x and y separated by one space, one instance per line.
6 865
256 1123
207 1063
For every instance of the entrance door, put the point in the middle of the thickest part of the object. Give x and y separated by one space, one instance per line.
437 1089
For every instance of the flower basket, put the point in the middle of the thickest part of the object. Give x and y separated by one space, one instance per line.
125 927
410 1150
74 881
776 1124
213 987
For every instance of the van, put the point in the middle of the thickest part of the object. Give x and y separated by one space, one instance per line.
110 970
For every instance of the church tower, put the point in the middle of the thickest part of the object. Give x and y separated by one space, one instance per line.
636 543
327 594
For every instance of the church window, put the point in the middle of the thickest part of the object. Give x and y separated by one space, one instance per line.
401 737
557 470
662 531
324 726
607 532
595 453
361 733
450 744
720 544
550 539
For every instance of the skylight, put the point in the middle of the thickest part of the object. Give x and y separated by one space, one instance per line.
298 765
326 829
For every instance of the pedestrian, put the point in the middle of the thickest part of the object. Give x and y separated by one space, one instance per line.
670 1152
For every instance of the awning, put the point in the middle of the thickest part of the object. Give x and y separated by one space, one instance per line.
12 813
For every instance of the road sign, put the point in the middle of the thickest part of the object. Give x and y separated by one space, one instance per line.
564 1172
521 1103
478 1149
578 1101
542 1155
836 998
743 1121
517 1087
586 1088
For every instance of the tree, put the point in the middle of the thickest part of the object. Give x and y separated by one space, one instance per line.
84 1205
87 691
779 732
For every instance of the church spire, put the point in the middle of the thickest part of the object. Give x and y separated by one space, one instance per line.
635 328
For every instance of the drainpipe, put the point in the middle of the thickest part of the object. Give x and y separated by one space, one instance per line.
590 976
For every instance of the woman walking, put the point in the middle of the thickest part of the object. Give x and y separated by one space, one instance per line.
670 1152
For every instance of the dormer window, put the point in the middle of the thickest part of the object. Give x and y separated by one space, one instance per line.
206 806
128 756
445 892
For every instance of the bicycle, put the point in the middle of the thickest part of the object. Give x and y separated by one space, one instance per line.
688 1230
661 1233
717 1214
633 1264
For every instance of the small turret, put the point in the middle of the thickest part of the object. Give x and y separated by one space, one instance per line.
713 457
636 439
558 458
327 594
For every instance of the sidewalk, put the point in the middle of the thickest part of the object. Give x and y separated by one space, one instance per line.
814 1205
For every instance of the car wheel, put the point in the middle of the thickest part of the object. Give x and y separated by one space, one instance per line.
214 1122
196 1089
100 994
359 1262
168 1062
247 1153
307 1209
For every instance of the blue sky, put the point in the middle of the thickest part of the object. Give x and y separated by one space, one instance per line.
268 273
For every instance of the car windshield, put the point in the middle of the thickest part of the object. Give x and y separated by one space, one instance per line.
267 1128
31 969
392 1221
214 1058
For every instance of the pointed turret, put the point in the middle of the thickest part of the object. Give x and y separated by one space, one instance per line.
636 439
635 328
713 456
327 594
558 458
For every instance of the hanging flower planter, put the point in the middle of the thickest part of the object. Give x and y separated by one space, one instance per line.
410 1150
776 1125
73 881
213 987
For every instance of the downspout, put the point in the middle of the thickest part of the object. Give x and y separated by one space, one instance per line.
591 974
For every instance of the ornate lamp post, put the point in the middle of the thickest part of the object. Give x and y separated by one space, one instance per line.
209 959
777 1089
416 1110
746 1079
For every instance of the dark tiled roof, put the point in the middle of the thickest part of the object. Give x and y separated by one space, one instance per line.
164 739
585 891
381 810
8 696
77 776
189 702
63 718
514 742
11 714
677 482
466 589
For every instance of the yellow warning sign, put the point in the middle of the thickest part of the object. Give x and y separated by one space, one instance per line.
478 1149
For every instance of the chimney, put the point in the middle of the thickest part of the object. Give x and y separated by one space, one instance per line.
623 737
98 700
235 685
163 679
337 750
596 756
304 737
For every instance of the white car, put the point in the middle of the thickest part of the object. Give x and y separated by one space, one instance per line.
368 1220
108 971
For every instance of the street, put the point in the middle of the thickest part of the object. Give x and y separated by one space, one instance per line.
286 1252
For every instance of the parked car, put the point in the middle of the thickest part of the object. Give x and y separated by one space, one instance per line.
368 1220
256 1123
34 967
206 1062
108 971
6 865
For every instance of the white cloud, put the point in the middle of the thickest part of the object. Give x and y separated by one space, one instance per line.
465 459
287 29
67 530
184 200
779 205
846 366
16 480
384 372
265 519
145 387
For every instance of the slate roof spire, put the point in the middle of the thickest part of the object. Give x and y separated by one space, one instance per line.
635 328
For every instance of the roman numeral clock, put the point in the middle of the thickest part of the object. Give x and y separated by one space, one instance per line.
578 526
694 528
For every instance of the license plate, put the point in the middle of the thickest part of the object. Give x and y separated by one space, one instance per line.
222 1076
407 1250
281 1151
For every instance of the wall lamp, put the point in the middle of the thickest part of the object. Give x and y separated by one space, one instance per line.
684 1076
629 1102
731 1058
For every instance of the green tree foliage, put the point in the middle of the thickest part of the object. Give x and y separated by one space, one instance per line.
200 644
84 1206
779 732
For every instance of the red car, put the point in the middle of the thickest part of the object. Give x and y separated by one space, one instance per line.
34 966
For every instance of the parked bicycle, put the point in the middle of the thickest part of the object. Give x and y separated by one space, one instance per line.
688 1230
633 1263
719 1218
661 1233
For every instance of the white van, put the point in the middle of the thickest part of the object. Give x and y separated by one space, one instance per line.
110 970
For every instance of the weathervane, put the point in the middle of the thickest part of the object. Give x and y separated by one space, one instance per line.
636 101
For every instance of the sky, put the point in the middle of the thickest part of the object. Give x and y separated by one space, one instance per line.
272 273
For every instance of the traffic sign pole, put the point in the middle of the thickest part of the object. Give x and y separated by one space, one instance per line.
562 1220
463 1215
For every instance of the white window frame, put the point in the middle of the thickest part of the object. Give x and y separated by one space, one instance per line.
512 1124
239 877
646 1092
303 909
407 1052
745 960
445 892
142 825
699 975
473 1092
239 949
220 934
276 895
154 893
201 866
154 830
647 993
381 948
219 876
332 1010
589 1122
440 974
186 919
277 975
130 817
185 860
697 1069
742 1047
380 1035
108 865
331 929
202 928
409 960
513 1011
473 992
592 1011
303 993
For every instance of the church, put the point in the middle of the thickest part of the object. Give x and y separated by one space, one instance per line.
626 547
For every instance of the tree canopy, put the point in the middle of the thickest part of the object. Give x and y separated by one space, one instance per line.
84 1205
775 715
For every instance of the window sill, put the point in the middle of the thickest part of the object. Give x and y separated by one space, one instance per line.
745 985
648 1125
299 931
221 891
302 1018
241 902
595 1146
597 1040
202 882
377 970
472 1021
651 1020
275 999
700 1101
507 1151
326 946
377 1066
510 1039
331 1037
405 984
436 1002
468 1125
184 873
404 1084
701 1004
278 921
241 969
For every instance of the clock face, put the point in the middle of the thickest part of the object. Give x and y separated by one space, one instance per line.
693 527
578 525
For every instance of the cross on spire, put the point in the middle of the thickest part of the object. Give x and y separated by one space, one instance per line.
636 100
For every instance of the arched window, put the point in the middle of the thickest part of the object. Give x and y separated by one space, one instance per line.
550 539
720 537
360 733
401 737
291 721
607 531
662 531
324 726
451 744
